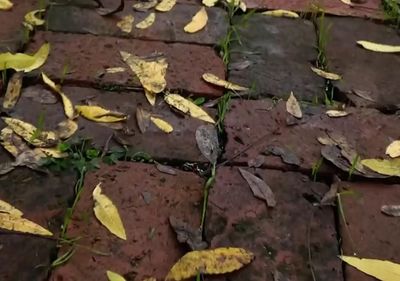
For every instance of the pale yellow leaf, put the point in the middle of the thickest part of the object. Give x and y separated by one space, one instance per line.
376 47
162 124
336 113
99 114
113 276
281 13
380 269
388 167
13 90
9 209
144 6
151 72
65 129
211 78
151 97
25 62
32 17
243 6
52 152
126 23
165 5
393 149
209 3
325 74
107 213
112 70
188 107
215 261
12 142
347 2
30 133
6 5
293 106
199 21
68 106
147 22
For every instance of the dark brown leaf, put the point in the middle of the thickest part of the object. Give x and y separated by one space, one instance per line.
186 234
207 142
166 169
330 197
109 11
256 162
286 155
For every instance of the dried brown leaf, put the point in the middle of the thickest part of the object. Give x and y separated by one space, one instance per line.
391 210
186 234
13 90
207 142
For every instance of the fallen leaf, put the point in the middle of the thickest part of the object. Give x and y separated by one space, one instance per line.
388 167
144 6
212 79
112 70
142 119
113 276
110 11
325 74
151 97
199 21
376 47
380 269
391 210
207 142
363 94
162 124
65 129
32 18
293 106
165 5
281 13
215 261
259 188
107 213
209 3
256 162
6 167
166 169
243 6
347 2
151 73
147 22
99 114
13 90
240 65
9 209
188 107
6 5
126 23
12 142
24 62
186 234
67 104
330 197
286 155
53 152
336 113
393 149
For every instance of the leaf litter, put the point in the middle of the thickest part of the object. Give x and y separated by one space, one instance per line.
207 142
162 124
198 22
32 18
286 155
293 106
188 235
215 80
147 22
13 91
325 74
336 113
110 11
165 5
380 48
100 114
143 6
126 23
391 210
281 13
393 149
6 5
166 169
113 276
142 119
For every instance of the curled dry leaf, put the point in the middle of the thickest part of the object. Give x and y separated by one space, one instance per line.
166 169
325 74
388 167
393 149
286 155
188 107
33 19
110 11
259 188
391 210
112 70
376 47
12 142
144 6
107 213
165 5
162 124
9 209
25 62
53 152
99 114
212 79
126 23
13 90
347 2
151 97
281 13
215 261
330 197
207 142
151 73
336 113
142 119
199 21
293 106
5 5
113 276
380 269
147 22
186 234
209 3
65 129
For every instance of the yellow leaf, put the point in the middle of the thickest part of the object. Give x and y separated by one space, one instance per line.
144 6
376 47
65 129
13 90
6 5
162 125
99 114
199 21
188 107
380 269
151 97
113 276
215 261
165 5
113 70
211 78
393 149
281 13
68 106
107 213
151 72
243 6
347 2
293 106
10 222
30 133
325 74
209 3
32 19
147 22
126 23
52 152
336 113
388 167
9 209
24 62
12 142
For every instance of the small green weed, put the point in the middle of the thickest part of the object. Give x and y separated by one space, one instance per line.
223 106
39 126
354 164
391 9
64 72
209 183
315 168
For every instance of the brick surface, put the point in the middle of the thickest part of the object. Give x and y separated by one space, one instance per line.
369 233
151 247
180 144
263 124
280 237
167 26
362 70
279 51
87 56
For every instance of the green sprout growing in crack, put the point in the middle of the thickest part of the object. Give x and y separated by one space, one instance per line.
223 106
315 168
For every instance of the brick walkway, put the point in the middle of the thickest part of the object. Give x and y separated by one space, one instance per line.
298 239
